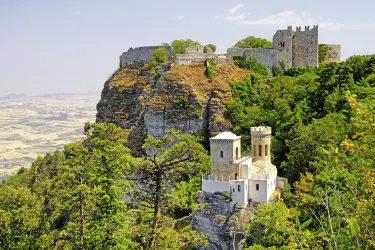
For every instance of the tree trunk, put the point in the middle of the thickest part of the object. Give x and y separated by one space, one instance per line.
156 211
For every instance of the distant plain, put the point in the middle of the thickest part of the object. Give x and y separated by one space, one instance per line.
31 126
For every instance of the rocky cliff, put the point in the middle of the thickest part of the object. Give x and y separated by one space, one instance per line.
222 226
147 100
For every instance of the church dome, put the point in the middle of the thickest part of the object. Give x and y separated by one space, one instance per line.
226 136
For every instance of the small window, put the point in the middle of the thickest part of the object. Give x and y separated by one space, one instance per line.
235 176
257 187
221 154
266 150
236 153
233 190
260 150
239 188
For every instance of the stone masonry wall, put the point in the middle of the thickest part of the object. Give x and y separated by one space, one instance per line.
305 47
268 57
334 53
282 42
140 54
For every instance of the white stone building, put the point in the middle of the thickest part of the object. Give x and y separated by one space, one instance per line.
249 178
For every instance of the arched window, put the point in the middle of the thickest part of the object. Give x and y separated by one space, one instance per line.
235 176
221 154
254 150
260 150
257 187
266 150
236 153
239 188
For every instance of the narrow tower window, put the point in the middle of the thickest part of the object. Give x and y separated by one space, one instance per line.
257 187
239 188
260 150
266 150
236 153
235 176
221 154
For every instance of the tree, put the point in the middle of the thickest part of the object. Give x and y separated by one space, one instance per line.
322 52
159 56
179 46
253 42
212 46
173 158
22 224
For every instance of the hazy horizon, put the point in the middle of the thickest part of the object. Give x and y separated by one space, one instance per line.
74 46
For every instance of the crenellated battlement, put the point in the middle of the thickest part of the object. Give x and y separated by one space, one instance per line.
261 130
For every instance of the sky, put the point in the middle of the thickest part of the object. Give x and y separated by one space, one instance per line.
73 46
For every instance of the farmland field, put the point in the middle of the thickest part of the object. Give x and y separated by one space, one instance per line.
35 125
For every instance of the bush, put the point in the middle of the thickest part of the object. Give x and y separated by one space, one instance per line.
158 57
275 71
212 46
210 64
251 64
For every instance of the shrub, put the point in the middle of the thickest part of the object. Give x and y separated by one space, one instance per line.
212 46
158 57
275 70
210 64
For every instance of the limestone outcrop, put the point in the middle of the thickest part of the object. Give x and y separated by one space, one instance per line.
222 225
148 101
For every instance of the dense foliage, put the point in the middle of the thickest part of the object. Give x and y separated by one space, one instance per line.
179 46
253 42
74 199
323 141
158 57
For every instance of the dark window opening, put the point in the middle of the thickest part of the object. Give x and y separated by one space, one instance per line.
266 150
239 188
236 153
260 150
221 154
257 186
233 190
235 176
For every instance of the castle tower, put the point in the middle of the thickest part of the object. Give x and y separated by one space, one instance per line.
283 42
225 148
261 144
305 47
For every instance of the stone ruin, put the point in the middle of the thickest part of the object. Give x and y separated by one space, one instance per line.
195 54
297 48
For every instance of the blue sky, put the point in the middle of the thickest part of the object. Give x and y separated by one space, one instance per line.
73 45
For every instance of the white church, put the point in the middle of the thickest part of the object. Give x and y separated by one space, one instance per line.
250 178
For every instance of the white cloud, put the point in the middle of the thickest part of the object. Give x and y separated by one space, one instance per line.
236 7
236 18
216 17
180 17
289 17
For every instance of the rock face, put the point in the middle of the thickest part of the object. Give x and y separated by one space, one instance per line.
148 101
222 226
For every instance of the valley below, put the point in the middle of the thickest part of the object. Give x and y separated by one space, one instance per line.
31 126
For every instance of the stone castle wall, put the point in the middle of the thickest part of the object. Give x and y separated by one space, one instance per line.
282 42
268 57
305 47
333 54
140 54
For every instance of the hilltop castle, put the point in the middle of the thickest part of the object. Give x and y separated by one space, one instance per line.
244 178
297 48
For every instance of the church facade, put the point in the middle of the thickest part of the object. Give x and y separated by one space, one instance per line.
245 178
